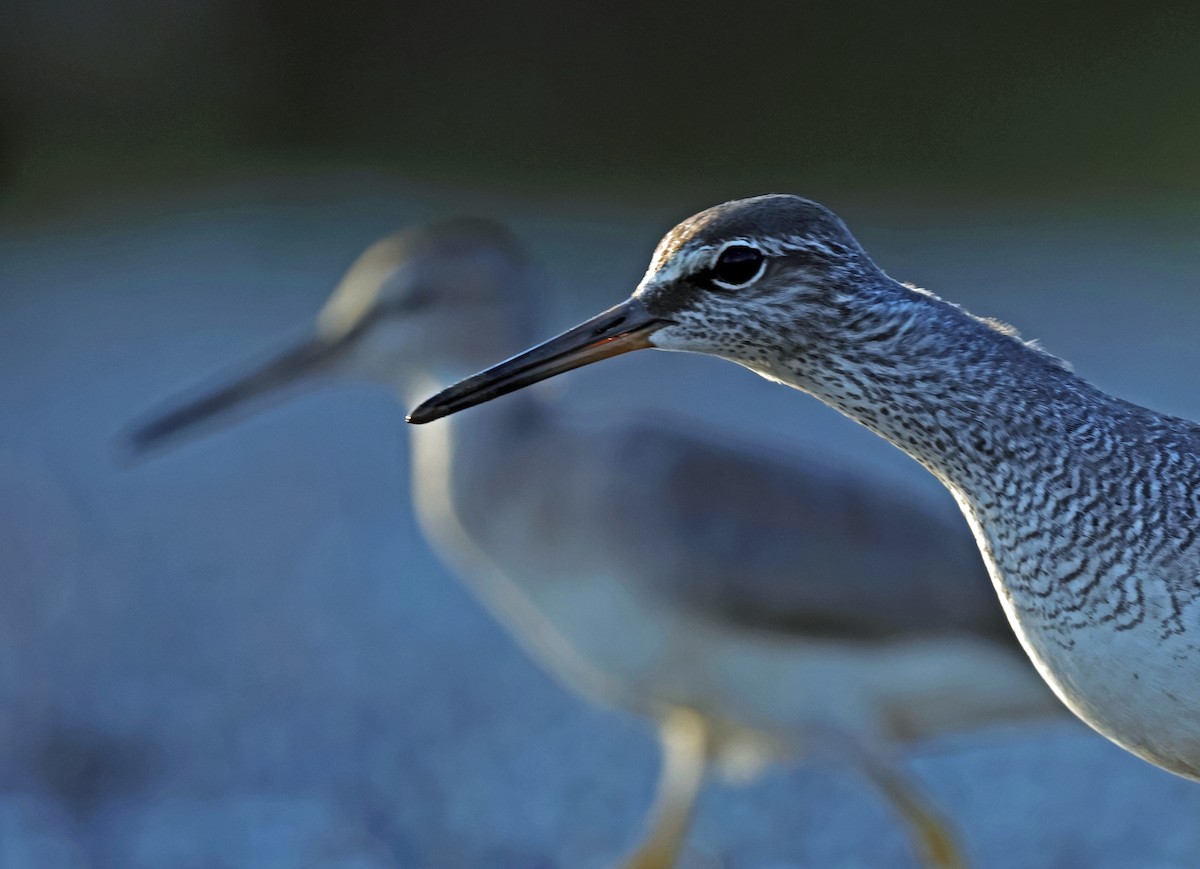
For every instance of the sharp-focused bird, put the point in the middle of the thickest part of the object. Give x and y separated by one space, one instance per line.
1086 507
756 609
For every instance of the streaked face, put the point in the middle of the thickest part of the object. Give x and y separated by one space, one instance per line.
740 299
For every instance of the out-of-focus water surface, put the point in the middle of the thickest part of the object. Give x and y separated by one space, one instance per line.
241 653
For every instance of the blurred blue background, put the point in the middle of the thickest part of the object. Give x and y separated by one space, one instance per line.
243 654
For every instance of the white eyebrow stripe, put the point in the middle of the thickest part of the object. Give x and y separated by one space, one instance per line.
793 244
686 261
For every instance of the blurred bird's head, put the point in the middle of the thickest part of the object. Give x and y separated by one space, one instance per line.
428 300
424 305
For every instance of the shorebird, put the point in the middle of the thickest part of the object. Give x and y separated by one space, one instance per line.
756 609
1086 507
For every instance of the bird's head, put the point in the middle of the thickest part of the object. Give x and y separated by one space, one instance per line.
425 302
753 280
743 278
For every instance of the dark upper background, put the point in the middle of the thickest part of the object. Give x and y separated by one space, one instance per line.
607 99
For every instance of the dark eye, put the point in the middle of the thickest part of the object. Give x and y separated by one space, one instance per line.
737 266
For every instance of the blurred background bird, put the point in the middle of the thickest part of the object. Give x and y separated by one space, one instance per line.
757 609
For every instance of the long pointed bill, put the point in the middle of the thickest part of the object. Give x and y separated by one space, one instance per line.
626 327
222 404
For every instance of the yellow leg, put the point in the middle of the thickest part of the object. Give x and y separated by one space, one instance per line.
684 739
930 832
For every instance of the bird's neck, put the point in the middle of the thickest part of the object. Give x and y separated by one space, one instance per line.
963 396
1067 489
458 456
466 478
1084 506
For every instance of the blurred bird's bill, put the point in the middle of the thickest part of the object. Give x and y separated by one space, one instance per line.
621 329
309 356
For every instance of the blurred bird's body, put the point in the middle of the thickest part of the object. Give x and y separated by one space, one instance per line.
757 609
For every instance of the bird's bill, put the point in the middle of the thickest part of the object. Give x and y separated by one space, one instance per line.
308 357
620 329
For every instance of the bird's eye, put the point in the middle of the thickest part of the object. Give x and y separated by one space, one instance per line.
738 265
